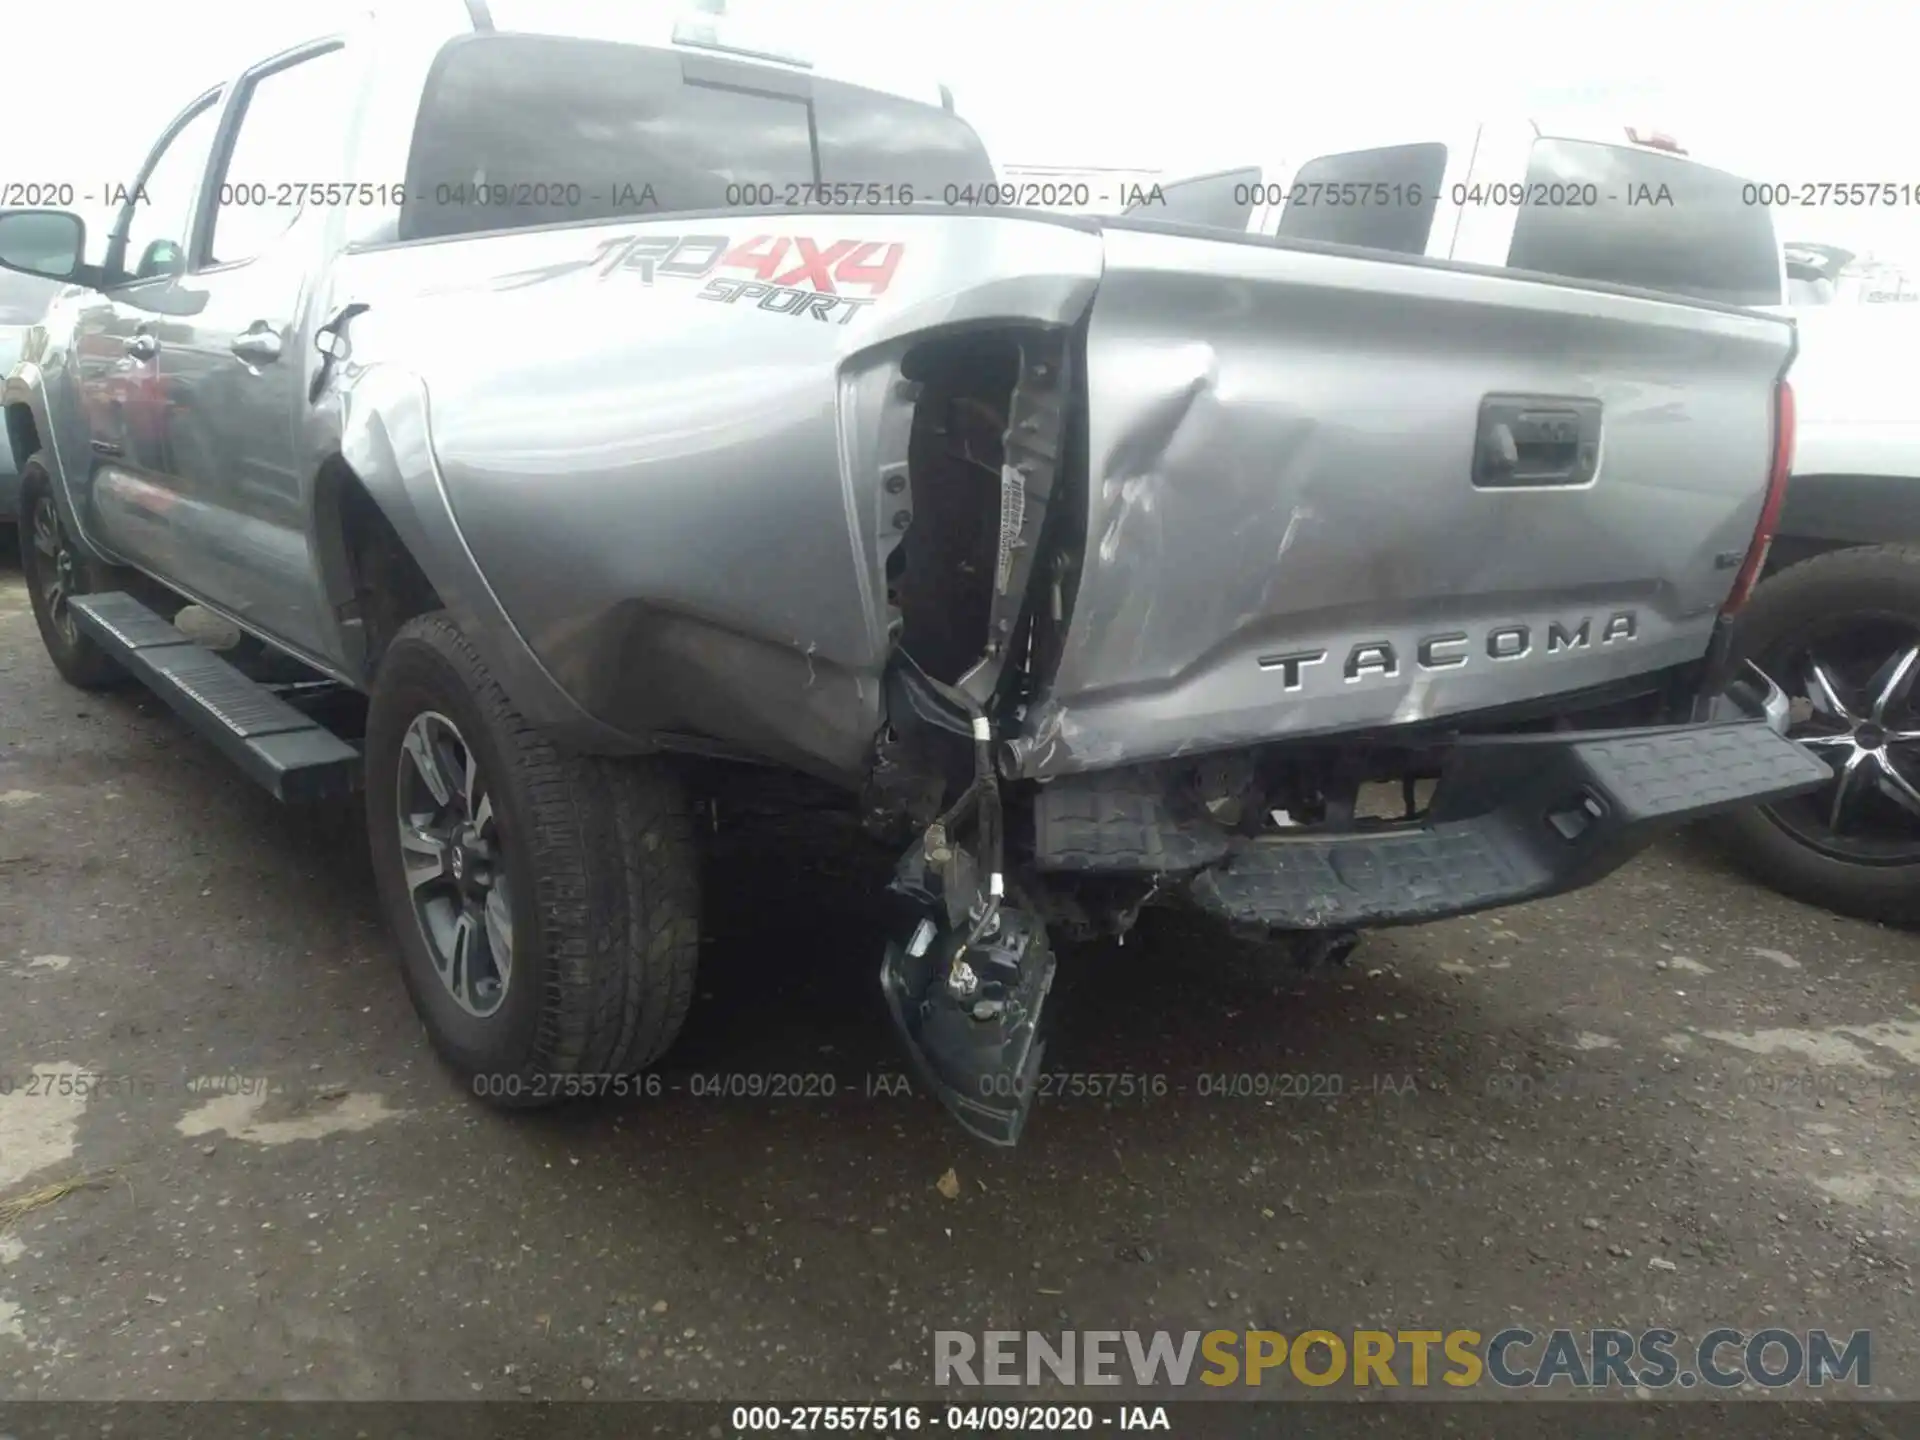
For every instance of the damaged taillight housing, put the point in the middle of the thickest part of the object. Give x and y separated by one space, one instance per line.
1756 561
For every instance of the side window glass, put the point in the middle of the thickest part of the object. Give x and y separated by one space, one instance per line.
285 154
162 206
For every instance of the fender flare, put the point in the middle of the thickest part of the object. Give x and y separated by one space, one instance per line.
24 387
27 386
385 440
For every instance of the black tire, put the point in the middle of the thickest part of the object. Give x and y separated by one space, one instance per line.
1840 590
52 575
603 958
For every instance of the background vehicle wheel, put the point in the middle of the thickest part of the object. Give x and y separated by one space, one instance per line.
546 905
1841 634
55 572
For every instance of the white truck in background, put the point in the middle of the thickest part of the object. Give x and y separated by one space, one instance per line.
1621 205
1819 274
1836 620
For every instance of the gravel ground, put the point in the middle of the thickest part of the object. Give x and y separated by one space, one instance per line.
1671 1100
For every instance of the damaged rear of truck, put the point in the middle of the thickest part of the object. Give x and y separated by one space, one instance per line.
1112 564
1098 564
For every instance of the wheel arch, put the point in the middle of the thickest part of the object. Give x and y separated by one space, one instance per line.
372 580
23 431
382 482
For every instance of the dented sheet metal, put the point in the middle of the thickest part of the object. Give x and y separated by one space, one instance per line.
1284 533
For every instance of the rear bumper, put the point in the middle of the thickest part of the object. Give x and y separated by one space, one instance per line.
1519 817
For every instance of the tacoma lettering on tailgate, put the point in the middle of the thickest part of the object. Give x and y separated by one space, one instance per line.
1450 649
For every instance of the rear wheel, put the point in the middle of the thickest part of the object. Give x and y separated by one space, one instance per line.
546 905
1840 633
55 573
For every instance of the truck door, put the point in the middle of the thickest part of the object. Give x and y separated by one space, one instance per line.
118 490
232 372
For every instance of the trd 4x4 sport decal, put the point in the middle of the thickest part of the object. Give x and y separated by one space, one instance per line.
781 274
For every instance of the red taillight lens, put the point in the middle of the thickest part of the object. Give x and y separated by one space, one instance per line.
1654 140
1756 560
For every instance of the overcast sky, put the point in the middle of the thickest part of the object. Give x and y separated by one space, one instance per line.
1149 84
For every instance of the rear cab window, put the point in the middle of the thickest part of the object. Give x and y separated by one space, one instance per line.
1379 199
1622 215
516 130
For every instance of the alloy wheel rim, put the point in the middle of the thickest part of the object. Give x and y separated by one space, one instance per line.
55 568
454 863
1853 691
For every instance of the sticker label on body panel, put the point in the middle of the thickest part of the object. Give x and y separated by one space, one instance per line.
792 275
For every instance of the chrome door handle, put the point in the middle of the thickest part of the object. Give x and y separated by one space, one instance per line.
143 347
257 346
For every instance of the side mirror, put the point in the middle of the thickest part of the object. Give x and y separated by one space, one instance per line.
49 243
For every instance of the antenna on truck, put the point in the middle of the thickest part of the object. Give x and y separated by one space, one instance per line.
481 16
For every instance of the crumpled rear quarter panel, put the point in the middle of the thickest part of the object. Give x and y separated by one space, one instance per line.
676 499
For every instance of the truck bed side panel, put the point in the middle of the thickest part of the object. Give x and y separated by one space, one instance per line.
664 443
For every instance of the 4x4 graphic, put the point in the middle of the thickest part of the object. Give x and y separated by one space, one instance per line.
790 274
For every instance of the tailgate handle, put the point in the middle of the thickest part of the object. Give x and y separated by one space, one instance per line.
1529 440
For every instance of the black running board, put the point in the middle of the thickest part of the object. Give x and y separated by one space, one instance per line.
288 752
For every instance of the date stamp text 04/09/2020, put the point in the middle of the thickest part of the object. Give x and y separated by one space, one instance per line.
639 195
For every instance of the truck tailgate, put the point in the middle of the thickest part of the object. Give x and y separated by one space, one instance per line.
1298 518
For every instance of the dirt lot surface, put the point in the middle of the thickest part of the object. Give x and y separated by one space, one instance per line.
1674 1100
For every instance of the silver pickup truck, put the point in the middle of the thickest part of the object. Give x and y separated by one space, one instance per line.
557 422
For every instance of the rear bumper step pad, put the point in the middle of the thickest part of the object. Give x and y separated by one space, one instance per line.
1513 818
285 750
